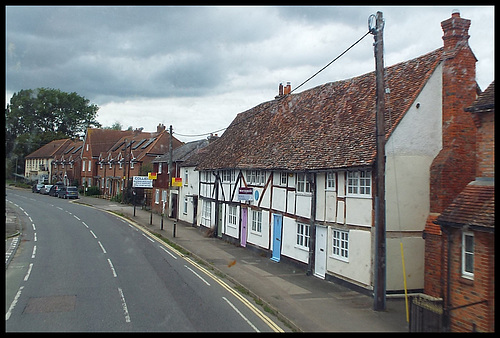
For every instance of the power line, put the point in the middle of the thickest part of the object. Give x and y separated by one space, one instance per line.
286 95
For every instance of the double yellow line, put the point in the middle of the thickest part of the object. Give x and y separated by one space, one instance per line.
245 301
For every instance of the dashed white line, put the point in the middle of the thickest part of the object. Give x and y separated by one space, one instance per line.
124 305
13 304
30 219
34 236
28 273
102 248
241 314
148 237
34 252
112 267
93 234
34 227
76 217
85 225
197 275
171 254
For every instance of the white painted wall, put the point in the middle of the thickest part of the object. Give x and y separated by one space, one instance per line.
189 189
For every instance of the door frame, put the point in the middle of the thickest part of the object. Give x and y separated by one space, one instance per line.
277 236
320 251
243 226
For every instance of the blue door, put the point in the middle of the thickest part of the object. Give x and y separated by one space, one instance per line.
277 222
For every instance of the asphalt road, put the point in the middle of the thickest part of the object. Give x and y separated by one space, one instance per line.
81 269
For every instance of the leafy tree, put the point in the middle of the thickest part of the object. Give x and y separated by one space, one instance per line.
36 117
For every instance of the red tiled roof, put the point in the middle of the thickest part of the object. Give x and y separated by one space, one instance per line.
51 149
474 206
329 126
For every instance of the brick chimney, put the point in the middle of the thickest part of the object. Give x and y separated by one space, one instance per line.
454 167
160 127
288 88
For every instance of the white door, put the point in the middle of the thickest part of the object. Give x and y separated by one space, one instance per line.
320 252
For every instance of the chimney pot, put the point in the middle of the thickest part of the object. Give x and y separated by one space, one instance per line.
288 88
280 89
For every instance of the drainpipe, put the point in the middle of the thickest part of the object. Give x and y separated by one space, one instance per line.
311 177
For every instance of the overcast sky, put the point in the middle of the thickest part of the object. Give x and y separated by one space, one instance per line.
195 68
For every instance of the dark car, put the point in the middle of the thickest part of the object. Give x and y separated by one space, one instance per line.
37 187
54 190
68 192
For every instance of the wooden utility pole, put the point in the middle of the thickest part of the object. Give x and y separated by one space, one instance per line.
379 284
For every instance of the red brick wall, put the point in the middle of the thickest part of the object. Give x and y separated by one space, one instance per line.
433 258
485 145
465 291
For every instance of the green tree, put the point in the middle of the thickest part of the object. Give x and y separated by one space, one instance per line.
34 117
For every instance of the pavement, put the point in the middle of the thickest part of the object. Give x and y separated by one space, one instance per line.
303 303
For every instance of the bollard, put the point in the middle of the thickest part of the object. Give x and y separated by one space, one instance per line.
151 217
134 209
161 225
175 227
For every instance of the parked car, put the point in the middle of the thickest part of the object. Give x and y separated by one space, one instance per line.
68 192
54 190
37 187
45 190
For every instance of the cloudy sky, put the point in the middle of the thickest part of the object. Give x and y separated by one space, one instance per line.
195 68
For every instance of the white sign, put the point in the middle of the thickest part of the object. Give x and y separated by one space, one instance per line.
142 182
245 194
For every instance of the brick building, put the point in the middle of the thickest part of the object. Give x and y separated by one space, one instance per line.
460 252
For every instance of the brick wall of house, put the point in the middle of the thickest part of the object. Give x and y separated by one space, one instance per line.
478 317
485 145
433 255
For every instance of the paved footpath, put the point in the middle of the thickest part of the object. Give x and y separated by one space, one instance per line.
304 303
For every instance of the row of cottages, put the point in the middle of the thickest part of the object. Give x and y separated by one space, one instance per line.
307 163
57 161
110 158
178 201
459 241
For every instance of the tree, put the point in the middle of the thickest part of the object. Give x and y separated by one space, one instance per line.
35 117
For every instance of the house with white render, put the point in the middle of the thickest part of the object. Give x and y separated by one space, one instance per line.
294 176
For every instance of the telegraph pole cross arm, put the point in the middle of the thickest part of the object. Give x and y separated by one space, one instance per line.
379 282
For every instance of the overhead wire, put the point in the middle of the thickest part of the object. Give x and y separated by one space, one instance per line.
286 95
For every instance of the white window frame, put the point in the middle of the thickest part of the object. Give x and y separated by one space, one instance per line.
83 165
283 178
330 180
359 183
467 253
90 164
185 211
256 222
303 234
159 168
157 196
232 218
186 177
256 177
340 244
303 184
206 213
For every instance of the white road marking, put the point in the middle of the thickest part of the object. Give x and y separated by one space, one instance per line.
148 238
124 305
85 225
103 250
34 237
171 254
112 267
197 275
76 217
241 314
28 273
13 304
34 252
93 234
34 227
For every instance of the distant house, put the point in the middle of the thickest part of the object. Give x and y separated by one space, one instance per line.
39 165
174 200
67 164
460 244
294 176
